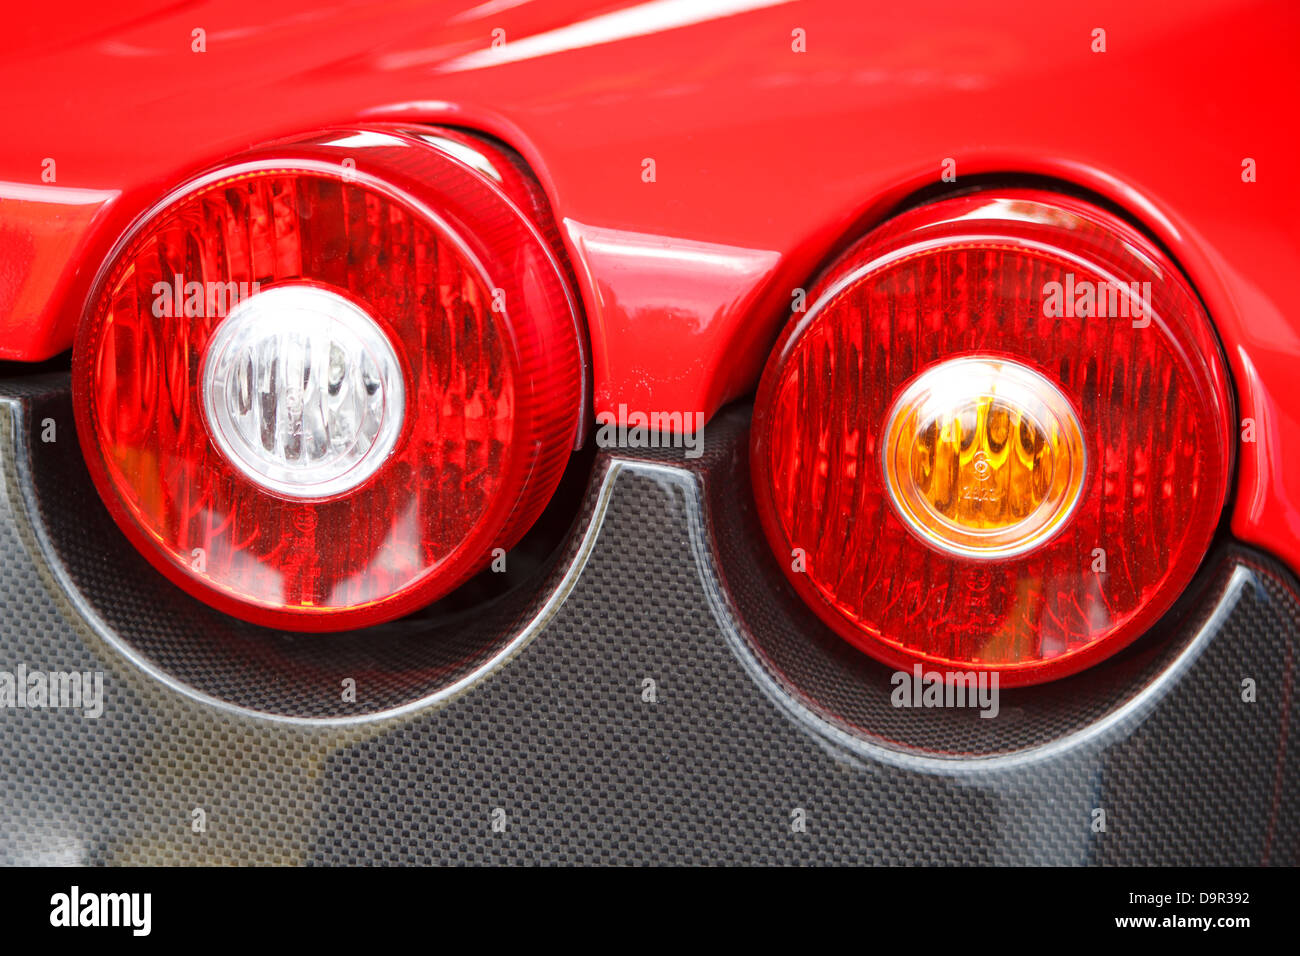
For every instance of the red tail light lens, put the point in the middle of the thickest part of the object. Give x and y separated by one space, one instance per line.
319 386
998 440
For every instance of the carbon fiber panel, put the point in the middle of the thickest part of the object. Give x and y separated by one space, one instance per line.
548 749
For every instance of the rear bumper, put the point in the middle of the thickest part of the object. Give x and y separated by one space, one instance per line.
655 694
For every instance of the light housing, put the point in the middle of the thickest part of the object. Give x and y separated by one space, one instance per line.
924 323
419 375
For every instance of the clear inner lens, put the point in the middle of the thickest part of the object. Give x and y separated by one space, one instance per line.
303 391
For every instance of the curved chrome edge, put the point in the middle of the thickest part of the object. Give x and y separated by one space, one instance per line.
836 739
82 607
1116 723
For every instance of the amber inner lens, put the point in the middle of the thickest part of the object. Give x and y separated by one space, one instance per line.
983 457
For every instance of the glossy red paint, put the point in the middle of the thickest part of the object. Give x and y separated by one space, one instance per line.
767 161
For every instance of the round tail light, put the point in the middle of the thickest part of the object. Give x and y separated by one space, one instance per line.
998 440
319 386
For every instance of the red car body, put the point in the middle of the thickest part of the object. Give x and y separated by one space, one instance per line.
777 132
